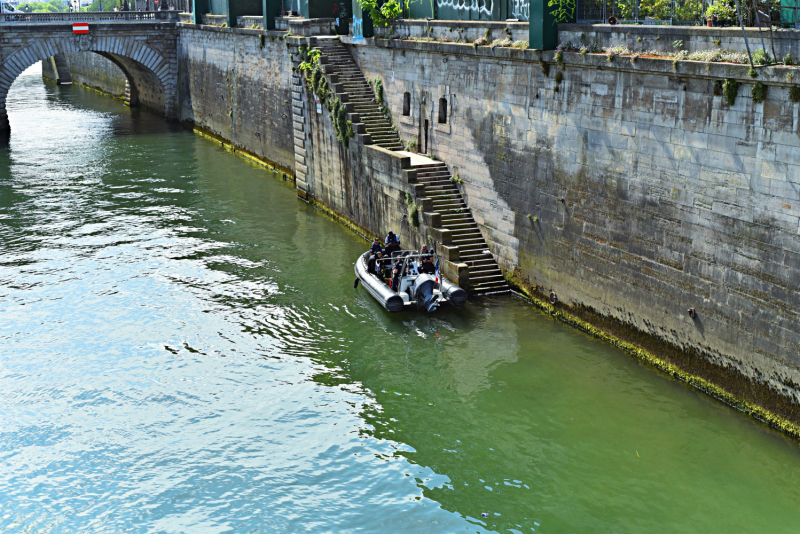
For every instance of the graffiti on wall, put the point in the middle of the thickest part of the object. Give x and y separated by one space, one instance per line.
564 10
358 31
520 9
478 7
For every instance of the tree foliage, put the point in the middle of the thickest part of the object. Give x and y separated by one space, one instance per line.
382 16
54 6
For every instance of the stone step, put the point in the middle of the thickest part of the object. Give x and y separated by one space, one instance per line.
438 196
478 264
443 185
467 233
473 241
476 247
460 224
435 183
475 275
498 289
448 203
489 279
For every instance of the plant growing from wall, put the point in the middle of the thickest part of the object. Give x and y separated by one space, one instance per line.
314 76
788 60
456 179
413 211
342 126
383 15
378 84
761 57
794 94
758 92
730 89
559 58
559 77
545 68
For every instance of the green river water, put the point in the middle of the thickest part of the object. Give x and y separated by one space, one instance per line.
182 350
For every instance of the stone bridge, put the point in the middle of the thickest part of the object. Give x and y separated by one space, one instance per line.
142 44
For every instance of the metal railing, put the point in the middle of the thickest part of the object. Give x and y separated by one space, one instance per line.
642 11
109 16
677 12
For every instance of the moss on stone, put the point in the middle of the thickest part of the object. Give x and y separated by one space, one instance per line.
726 384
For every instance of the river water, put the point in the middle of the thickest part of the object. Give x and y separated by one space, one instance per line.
182 350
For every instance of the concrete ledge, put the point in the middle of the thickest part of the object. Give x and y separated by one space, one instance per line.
432 219
243 31
775 75
442 235
450 253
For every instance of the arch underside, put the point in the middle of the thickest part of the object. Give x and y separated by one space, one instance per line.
150 75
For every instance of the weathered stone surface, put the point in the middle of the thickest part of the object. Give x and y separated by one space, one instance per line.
649 194
97 72
236 83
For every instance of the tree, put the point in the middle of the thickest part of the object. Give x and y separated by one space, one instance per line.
382 16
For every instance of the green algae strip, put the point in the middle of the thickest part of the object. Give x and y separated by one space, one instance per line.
759 412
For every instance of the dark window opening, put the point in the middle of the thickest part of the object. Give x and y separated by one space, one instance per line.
426 136
406 104
443 110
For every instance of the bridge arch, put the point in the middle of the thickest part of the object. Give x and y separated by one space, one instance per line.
150 73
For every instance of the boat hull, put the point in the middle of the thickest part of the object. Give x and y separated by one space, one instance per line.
387 298
391 300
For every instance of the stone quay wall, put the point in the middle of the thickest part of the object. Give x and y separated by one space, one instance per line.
97 72
626 187
235 84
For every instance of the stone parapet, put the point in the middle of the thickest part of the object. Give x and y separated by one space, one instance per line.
642 38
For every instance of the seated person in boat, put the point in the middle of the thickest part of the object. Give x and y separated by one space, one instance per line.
392 244
397 272
376 246
371 262
426 261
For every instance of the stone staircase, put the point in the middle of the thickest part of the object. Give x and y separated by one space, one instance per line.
452 216
351 87
62 69
459 229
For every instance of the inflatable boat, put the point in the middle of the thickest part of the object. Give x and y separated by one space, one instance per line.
407 280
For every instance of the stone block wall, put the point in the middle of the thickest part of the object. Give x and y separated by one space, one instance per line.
235 83
97 72
627 187
49 70
466 30
640 38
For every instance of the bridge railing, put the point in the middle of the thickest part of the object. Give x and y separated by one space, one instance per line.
104 16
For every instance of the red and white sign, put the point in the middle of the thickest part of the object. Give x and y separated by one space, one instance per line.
80 27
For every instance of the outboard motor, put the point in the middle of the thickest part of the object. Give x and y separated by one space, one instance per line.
423 292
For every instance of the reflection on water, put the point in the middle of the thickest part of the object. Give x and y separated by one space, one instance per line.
182 350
